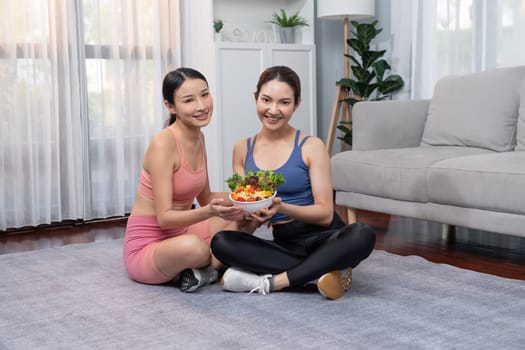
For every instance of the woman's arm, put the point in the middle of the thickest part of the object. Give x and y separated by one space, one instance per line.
317 160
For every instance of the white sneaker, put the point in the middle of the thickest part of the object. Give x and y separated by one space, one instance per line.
237 280
191 279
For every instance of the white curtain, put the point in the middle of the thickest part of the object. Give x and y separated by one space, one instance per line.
81 99
434 38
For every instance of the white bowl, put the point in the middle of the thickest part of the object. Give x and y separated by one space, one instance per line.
254 206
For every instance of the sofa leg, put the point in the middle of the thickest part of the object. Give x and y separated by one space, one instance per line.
448 233
351 215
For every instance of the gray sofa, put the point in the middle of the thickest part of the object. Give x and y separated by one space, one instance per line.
456 159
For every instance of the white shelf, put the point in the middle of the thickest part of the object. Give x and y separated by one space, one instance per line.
248 20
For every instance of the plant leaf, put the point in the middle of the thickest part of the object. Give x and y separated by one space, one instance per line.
366 32
380 67
364 90
359 47
285 21
345 83
363 75
370 57
346 128
351 100
343 128
354 59
390 84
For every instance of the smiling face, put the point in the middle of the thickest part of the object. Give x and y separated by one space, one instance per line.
193 103
275 103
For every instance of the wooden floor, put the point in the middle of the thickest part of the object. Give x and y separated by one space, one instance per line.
491 253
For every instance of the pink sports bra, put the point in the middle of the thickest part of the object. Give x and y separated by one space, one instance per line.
187 183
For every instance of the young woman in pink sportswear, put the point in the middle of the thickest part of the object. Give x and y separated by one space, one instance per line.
166 239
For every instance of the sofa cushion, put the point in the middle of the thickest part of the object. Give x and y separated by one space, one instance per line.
493 182
520 133
476 110
391 173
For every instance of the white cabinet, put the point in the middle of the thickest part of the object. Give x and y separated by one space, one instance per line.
238 68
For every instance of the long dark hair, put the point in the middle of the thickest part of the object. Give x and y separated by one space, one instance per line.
173 81
283 74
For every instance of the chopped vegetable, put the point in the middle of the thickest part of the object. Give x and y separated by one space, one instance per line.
255 186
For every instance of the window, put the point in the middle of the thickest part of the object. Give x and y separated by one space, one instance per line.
81 85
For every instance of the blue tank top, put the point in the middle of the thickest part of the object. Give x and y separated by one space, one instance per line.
297 189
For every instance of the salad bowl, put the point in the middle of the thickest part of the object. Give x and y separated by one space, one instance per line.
255 190
253 206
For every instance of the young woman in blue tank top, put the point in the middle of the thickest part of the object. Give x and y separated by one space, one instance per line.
310 241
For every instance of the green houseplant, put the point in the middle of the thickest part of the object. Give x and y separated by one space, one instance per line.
287 24
217 25
371 83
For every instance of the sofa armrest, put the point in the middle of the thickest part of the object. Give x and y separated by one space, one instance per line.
388 124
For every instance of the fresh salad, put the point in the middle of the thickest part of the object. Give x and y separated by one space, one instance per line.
255 186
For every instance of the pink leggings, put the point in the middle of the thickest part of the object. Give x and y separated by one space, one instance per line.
143 233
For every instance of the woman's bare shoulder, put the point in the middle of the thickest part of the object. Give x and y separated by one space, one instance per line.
240 144
161 148
312 141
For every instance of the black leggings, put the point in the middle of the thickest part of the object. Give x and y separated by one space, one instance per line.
304 251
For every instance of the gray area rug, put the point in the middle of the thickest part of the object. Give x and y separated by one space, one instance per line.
79 297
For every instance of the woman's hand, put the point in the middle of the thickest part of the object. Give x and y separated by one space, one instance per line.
227 212
264 215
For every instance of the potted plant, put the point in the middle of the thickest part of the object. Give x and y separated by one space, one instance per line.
217 27
371 82
287 25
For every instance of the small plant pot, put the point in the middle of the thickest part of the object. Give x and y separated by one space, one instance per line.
287 35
